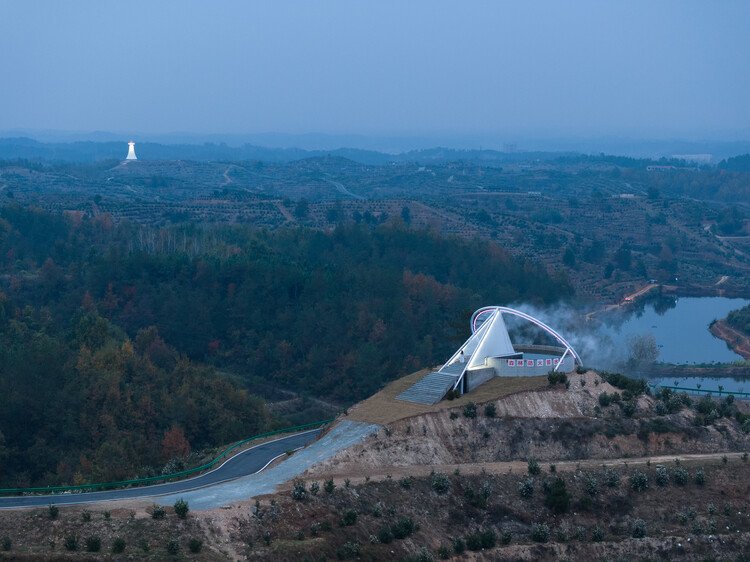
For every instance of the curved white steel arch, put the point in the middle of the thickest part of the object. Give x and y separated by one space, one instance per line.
539 323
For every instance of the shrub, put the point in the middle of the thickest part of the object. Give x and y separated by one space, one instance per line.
557 497
506 536
555 377
71 542
473 542
453 416
490 410
443 552
611 478
403 527
597 534
173 547
628 408
349 518
329 486
385 535
488 538
53 511
107 514
459 545
348 551
700 477
711 508
314 488
440 483
85 516
6 543
662 475
181 508
533 467
118 545
405 482
93 544
540 532
680 476
638 481
299 491
195 545
158 512
638 528
660 409
605 399
470 410
526 488
591 485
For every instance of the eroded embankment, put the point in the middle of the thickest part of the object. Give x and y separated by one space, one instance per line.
552 424
736 340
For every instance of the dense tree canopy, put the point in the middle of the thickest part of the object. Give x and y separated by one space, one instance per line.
86 304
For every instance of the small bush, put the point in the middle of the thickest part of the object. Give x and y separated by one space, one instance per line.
53 511
93 544
680 476
385 535
85 516
605 399
405 482
299 491
638 528
70 542
173 547
526 488
459 546
662 475
195 545
611 478
533 467
443 552
329 486
403 527
181 508
490 410
440 483
158 512
540 532
638 481
557 497
314 488
591 485
348 551
349 518
597 534
118 545
453 416
555 377
107 515
6 543
506 536
422 555
470 410
700 477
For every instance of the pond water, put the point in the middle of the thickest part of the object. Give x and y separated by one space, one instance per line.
728 384
680 326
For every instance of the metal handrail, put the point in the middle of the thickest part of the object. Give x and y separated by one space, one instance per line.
161 477
736 394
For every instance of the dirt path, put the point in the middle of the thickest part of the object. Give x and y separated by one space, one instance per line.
739 342
284 211
517 467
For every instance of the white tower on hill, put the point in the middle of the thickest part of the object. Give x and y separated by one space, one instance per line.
131 151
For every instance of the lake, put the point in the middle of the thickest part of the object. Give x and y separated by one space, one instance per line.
680 326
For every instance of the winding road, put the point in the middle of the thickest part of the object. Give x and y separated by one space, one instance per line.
249 461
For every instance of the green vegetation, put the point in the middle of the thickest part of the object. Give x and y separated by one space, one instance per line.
740 319
111 322
181 508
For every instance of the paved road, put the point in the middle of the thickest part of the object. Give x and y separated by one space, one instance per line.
247 462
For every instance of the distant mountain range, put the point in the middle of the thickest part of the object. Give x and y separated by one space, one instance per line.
86 151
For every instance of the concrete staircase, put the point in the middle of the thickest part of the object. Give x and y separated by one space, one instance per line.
431 388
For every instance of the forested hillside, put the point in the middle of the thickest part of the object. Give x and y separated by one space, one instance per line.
740 319
85 305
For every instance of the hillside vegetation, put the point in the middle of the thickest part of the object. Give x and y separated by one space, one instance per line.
110 335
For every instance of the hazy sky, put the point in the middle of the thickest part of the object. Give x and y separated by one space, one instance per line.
641 68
